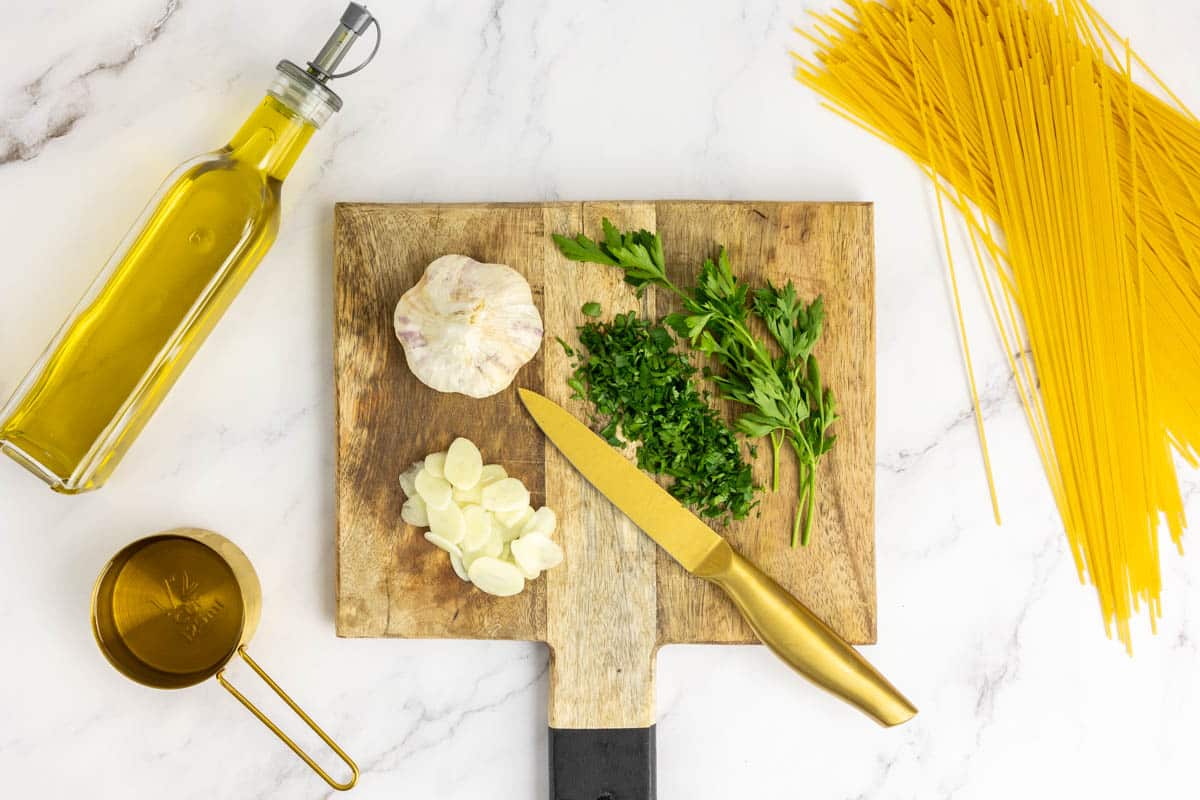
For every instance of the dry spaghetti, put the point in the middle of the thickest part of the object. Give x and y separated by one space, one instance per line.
1080 193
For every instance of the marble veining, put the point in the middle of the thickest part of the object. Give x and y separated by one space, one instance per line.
55 101
985 627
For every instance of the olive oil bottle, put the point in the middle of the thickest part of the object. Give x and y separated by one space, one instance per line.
110 365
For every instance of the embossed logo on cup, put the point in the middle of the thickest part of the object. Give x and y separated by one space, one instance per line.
185 608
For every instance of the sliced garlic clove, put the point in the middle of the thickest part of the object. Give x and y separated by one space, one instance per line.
536 552
468 327
408 479
463 464
468 558
507 555
515 519
543 521
433 490
514 522
496 577
481 517
443 544
414 513
490 474
478 526
436 463
448 523
507 494
472 496
494 546
461 571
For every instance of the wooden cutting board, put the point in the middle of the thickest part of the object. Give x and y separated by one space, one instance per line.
617 598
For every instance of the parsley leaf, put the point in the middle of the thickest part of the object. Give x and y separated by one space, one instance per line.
779 380
643 391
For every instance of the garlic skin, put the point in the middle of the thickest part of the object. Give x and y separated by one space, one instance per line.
468 327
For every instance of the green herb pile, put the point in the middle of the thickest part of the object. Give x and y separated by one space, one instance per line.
780 383
642 390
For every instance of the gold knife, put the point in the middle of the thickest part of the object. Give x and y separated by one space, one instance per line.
793 633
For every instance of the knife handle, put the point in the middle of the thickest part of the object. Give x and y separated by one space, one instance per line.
802 640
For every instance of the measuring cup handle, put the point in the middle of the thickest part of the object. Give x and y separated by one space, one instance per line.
241 698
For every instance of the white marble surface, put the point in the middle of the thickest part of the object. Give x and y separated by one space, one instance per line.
985 627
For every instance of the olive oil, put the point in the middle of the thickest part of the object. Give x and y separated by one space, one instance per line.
124 350
201 237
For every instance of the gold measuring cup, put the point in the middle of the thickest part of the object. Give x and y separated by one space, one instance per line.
171 610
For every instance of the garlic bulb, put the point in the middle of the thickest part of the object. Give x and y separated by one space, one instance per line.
467 327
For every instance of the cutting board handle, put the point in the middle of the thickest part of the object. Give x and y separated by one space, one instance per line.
602 764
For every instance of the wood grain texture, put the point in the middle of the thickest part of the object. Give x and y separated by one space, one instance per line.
824 249
617 597
390 581
600 604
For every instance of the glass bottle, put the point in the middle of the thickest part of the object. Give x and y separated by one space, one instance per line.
109 366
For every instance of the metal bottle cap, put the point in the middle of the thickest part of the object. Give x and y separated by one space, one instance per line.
355 20
305 90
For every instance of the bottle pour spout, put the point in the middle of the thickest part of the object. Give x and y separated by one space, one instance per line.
355 21
305 90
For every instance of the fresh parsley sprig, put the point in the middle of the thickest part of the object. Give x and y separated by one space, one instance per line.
781 386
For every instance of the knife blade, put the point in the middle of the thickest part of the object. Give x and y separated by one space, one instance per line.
779 620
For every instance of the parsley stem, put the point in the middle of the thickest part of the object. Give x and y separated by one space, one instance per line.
812 505
755 346
776 443
806 490
796 518
801 484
